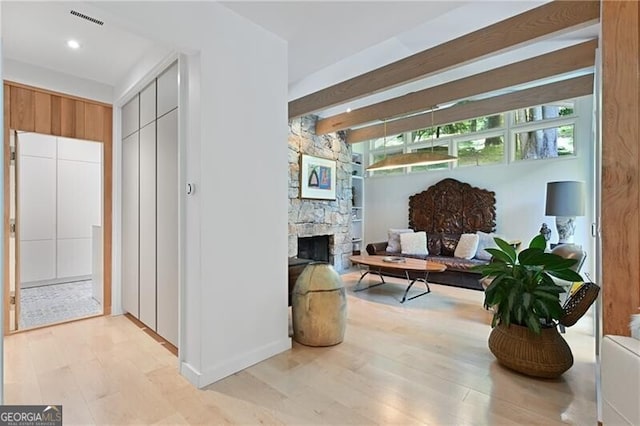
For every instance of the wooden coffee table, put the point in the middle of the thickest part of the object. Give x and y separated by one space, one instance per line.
404 264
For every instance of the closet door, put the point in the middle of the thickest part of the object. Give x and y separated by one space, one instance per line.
148 104
131 117
167 216
148 225
167 89
130 195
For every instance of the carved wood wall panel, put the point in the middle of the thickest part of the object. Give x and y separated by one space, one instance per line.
453 207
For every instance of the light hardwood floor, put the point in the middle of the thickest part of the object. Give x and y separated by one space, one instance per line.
418 363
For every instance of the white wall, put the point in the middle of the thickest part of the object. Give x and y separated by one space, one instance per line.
520 192
37 76
234 298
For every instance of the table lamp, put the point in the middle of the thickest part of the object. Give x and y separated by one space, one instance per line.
565 201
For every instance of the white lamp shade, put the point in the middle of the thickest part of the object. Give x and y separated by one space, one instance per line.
565 198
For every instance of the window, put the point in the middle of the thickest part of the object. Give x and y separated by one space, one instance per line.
550 142
543 112
389 141
481 151
534 133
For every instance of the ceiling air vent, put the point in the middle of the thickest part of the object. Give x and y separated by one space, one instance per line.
88 18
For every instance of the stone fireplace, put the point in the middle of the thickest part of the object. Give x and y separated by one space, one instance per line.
315 218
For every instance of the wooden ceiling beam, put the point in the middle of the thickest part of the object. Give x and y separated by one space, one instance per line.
558 62
525 27
566 89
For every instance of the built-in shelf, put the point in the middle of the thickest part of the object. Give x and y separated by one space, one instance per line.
357 209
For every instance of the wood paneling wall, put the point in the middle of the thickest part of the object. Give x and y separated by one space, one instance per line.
37 110
620 165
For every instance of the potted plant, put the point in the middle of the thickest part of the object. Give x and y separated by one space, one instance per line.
526 304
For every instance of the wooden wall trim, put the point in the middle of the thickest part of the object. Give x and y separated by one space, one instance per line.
7 205
107 234
566 89
558 62
620 216
515 31
52 92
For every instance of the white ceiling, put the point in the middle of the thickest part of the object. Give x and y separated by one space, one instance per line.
322 33
328 41
36 33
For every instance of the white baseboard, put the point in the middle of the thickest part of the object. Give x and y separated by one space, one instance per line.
241 362
190 373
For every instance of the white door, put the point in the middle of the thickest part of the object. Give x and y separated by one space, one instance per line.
167 236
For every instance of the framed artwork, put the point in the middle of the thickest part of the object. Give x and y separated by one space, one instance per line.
317 178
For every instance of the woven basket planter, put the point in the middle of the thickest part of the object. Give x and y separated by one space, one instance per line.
539 355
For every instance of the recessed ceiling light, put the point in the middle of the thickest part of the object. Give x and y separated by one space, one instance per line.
73 44
348 109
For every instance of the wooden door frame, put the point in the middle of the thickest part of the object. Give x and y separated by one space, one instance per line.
74 123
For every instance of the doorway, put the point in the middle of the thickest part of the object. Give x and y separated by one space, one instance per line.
56 229
76 125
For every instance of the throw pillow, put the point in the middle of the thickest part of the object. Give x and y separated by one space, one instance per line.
393 246
414 243
467 246
485 241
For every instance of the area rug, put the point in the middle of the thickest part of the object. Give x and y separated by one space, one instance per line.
461 303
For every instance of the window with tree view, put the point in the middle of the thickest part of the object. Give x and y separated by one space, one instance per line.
546 142
539 132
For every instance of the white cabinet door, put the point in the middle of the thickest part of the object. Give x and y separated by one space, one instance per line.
37 261
130 117
167 235
73 257
148 225
130 200
148 104
79 198
168 90
37 206
37 196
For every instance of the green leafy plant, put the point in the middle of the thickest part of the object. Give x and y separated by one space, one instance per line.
522 291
